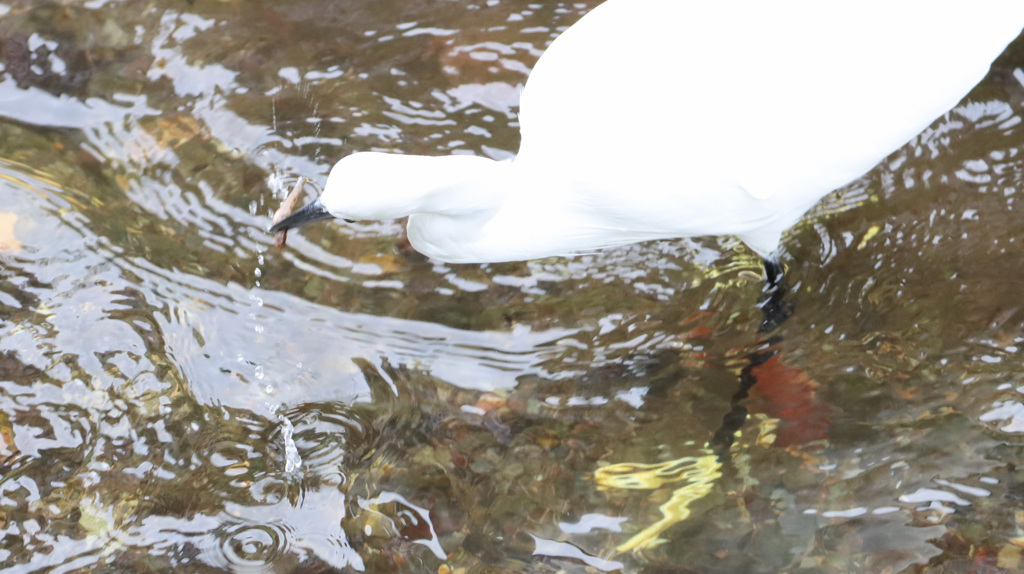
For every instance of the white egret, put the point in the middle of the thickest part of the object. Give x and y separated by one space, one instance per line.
653 119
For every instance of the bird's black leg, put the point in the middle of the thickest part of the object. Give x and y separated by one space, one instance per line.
773 306
734 420
776 310
773 271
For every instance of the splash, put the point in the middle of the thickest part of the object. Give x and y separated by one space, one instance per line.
292 459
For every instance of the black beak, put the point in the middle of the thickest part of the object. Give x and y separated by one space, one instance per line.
311 212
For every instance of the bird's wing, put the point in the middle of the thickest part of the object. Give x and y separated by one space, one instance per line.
785 98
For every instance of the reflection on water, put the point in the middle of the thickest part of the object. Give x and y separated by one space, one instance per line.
176 394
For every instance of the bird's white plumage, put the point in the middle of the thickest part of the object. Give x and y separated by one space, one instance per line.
668 118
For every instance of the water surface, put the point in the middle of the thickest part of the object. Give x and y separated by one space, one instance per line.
176 394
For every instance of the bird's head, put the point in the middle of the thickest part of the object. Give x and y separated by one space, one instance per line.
352 192
374 186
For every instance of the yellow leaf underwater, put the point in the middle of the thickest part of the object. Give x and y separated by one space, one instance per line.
8 242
